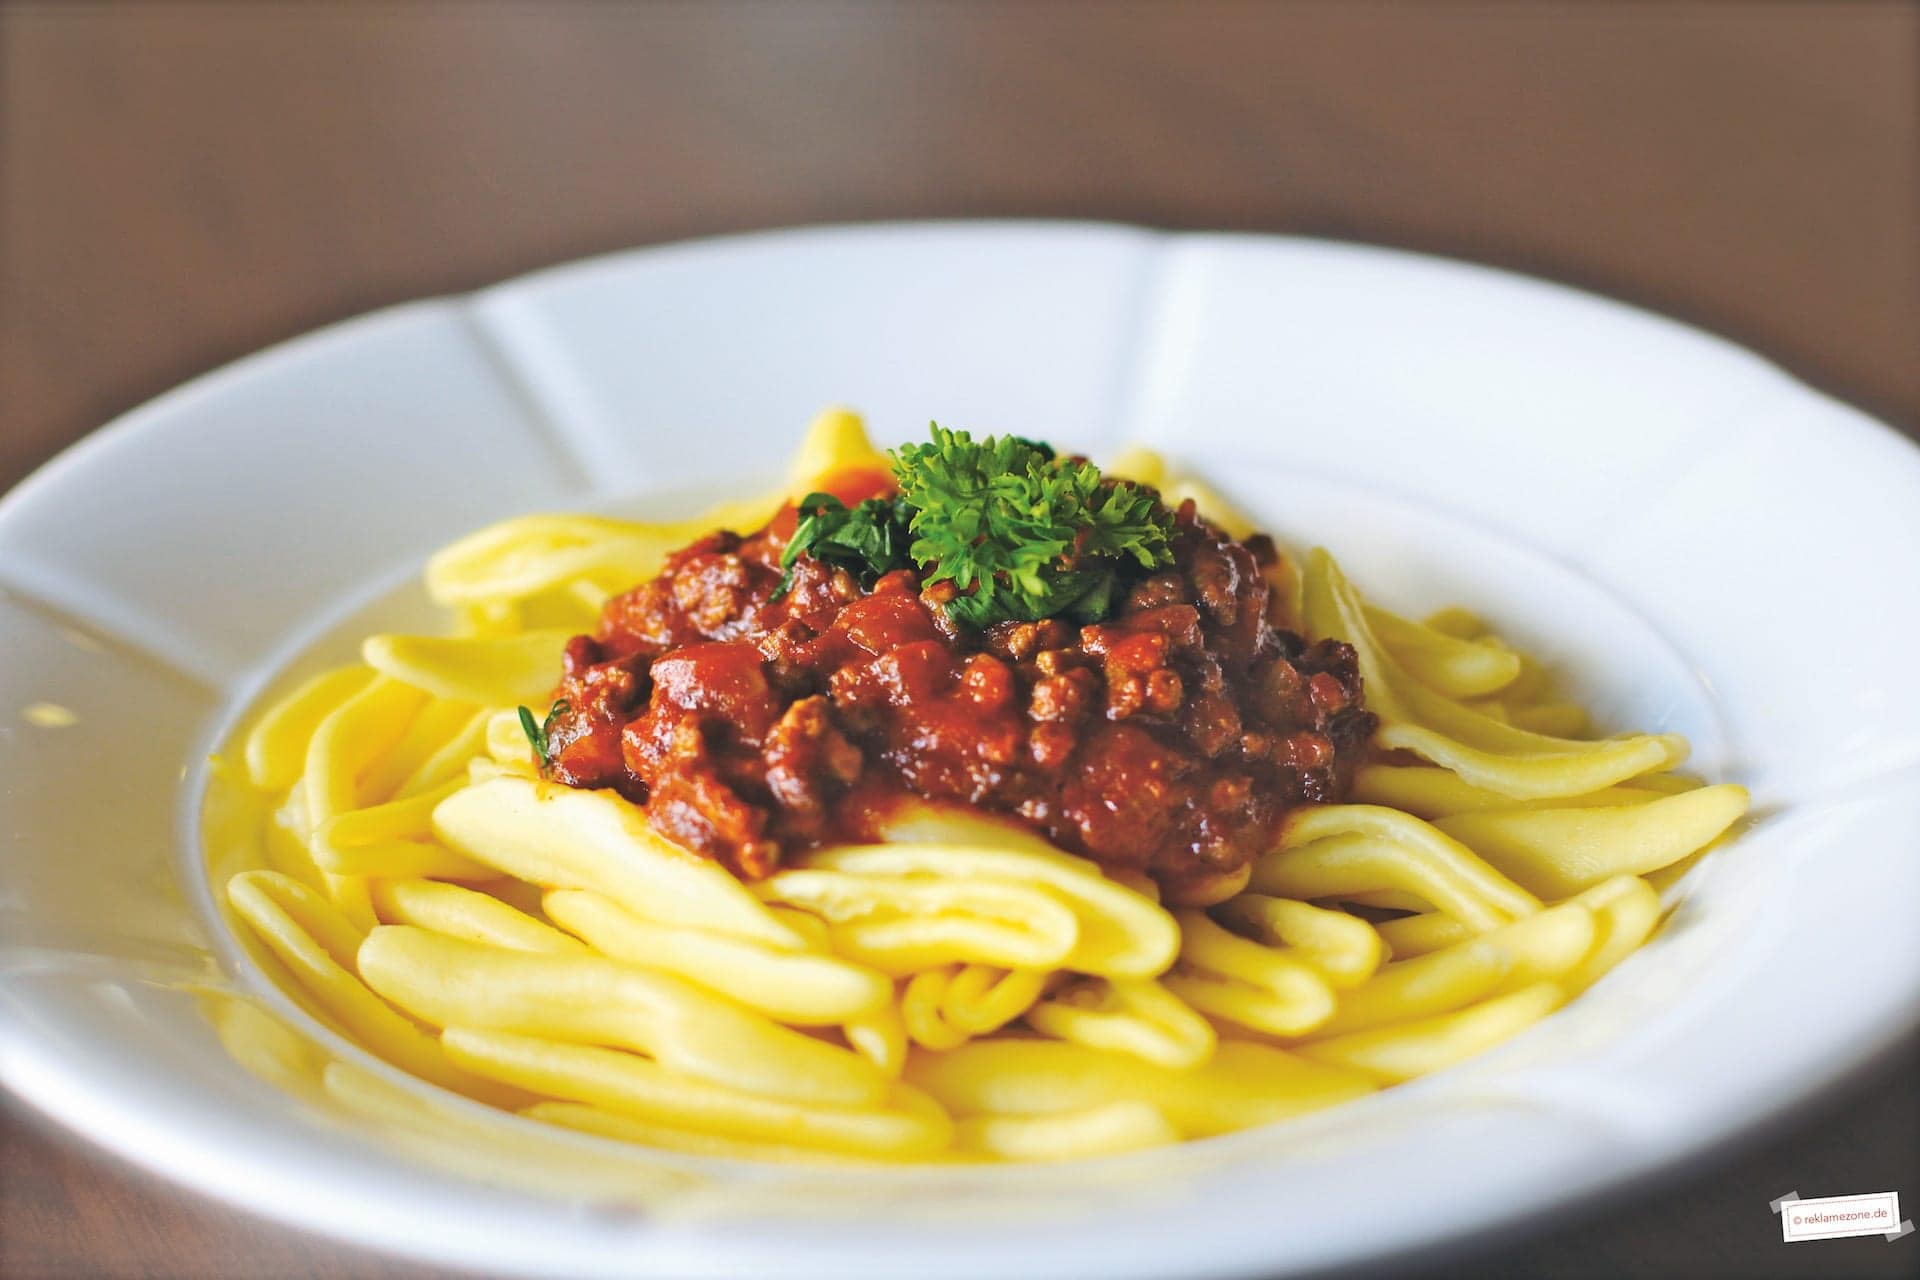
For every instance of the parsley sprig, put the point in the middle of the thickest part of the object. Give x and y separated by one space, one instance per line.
1024 534
867 540
1020 532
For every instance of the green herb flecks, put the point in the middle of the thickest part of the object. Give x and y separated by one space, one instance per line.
538 731
1022 533
867 540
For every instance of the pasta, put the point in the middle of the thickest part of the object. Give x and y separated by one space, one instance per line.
412 853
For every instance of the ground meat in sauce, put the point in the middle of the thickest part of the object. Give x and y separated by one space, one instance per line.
1168 739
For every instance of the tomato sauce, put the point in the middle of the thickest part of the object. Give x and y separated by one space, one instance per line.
1169 739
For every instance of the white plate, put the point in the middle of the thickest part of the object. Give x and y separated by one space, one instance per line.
1703 542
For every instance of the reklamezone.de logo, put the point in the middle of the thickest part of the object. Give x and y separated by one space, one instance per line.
1875 1213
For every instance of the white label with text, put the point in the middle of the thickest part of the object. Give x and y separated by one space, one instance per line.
1874 1213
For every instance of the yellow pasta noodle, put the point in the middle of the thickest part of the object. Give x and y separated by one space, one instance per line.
447 981
465 913
880 1036
835 442
392 839
506 742
671 1135
1480 749
902 1124
501 671
1242 1084
903 924
1347 849
1553 719
318 945
1409 1049
1344 949
1135 1016
982 998
1557 852
449 760
802 987
557 836
437 726
1118 933
276 749
1453 666
922 1014
1432 793
287 840
518 559
350 740
1098 1130
1416 935
1229 977
1140 465
1541 947
1384 900
1463 624
1626 910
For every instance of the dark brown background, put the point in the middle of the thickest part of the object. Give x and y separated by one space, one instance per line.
183 183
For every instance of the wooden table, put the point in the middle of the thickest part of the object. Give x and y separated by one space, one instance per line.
183 183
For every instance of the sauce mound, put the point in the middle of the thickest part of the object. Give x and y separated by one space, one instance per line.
1168 739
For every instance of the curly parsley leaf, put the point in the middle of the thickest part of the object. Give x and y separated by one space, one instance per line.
1022 533
539 731
867 540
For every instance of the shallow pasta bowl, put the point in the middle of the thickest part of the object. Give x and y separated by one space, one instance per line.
1698 541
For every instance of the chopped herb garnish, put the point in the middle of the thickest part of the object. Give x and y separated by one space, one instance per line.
867 540
538 731
1022 533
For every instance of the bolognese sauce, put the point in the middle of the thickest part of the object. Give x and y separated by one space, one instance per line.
755 712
